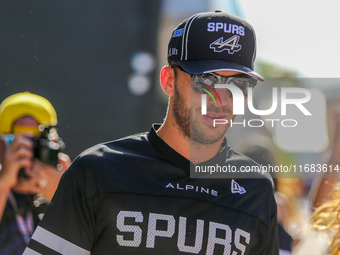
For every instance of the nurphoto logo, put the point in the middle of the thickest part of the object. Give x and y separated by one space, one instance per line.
238 104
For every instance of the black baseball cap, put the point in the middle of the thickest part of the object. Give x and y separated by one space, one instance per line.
214 41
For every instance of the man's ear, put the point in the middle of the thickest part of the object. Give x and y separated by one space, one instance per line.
167 80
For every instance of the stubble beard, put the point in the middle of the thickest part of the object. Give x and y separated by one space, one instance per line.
189 126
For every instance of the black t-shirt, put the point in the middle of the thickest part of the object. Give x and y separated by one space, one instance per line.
135 196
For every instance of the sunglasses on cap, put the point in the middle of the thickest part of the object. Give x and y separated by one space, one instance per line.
205 83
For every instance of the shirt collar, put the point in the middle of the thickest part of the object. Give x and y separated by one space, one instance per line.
173 156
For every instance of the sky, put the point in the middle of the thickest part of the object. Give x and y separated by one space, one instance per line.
301 35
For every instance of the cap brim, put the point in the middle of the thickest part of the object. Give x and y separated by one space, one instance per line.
209 66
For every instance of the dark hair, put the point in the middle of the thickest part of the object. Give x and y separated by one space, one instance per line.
174 65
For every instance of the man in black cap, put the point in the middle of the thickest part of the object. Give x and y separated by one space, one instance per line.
135 195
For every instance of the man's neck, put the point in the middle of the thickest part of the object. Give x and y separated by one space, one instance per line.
191 150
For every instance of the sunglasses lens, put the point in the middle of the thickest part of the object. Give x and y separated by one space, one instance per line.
201 83
243 83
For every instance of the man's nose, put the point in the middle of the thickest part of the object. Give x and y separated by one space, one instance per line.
224 96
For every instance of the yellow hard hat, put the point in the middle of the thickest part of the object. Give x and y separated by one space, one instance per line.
26 104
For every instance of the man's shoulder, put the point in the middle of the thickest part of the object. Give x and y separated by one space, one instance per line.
132 144
239 158
103 166
114 154
249 167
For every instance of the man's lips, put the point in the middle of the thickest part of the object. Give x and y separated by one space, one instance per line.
210 117
216 115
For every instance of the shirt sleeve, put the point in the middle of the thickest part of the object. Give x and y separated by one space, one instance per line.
67 226
273 247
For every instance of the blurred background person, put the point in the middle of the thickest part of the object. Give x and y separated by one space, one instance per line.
326 219
325 196
30 163
287 212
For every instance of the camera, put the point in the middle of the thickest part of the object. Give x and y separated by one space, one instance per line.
45 147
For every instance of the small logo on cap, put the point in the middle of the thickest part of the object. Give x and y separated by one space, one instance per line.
231 44
172 51
178 32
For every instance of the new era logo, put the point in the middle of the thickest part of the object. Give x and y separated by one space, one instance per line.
236 188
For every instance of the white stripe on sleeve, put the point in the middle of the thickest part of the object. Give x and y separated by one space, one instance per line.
29 251
56 243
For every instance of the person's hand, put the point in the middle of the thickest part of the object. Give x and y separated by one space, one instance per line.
44 178
14 157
